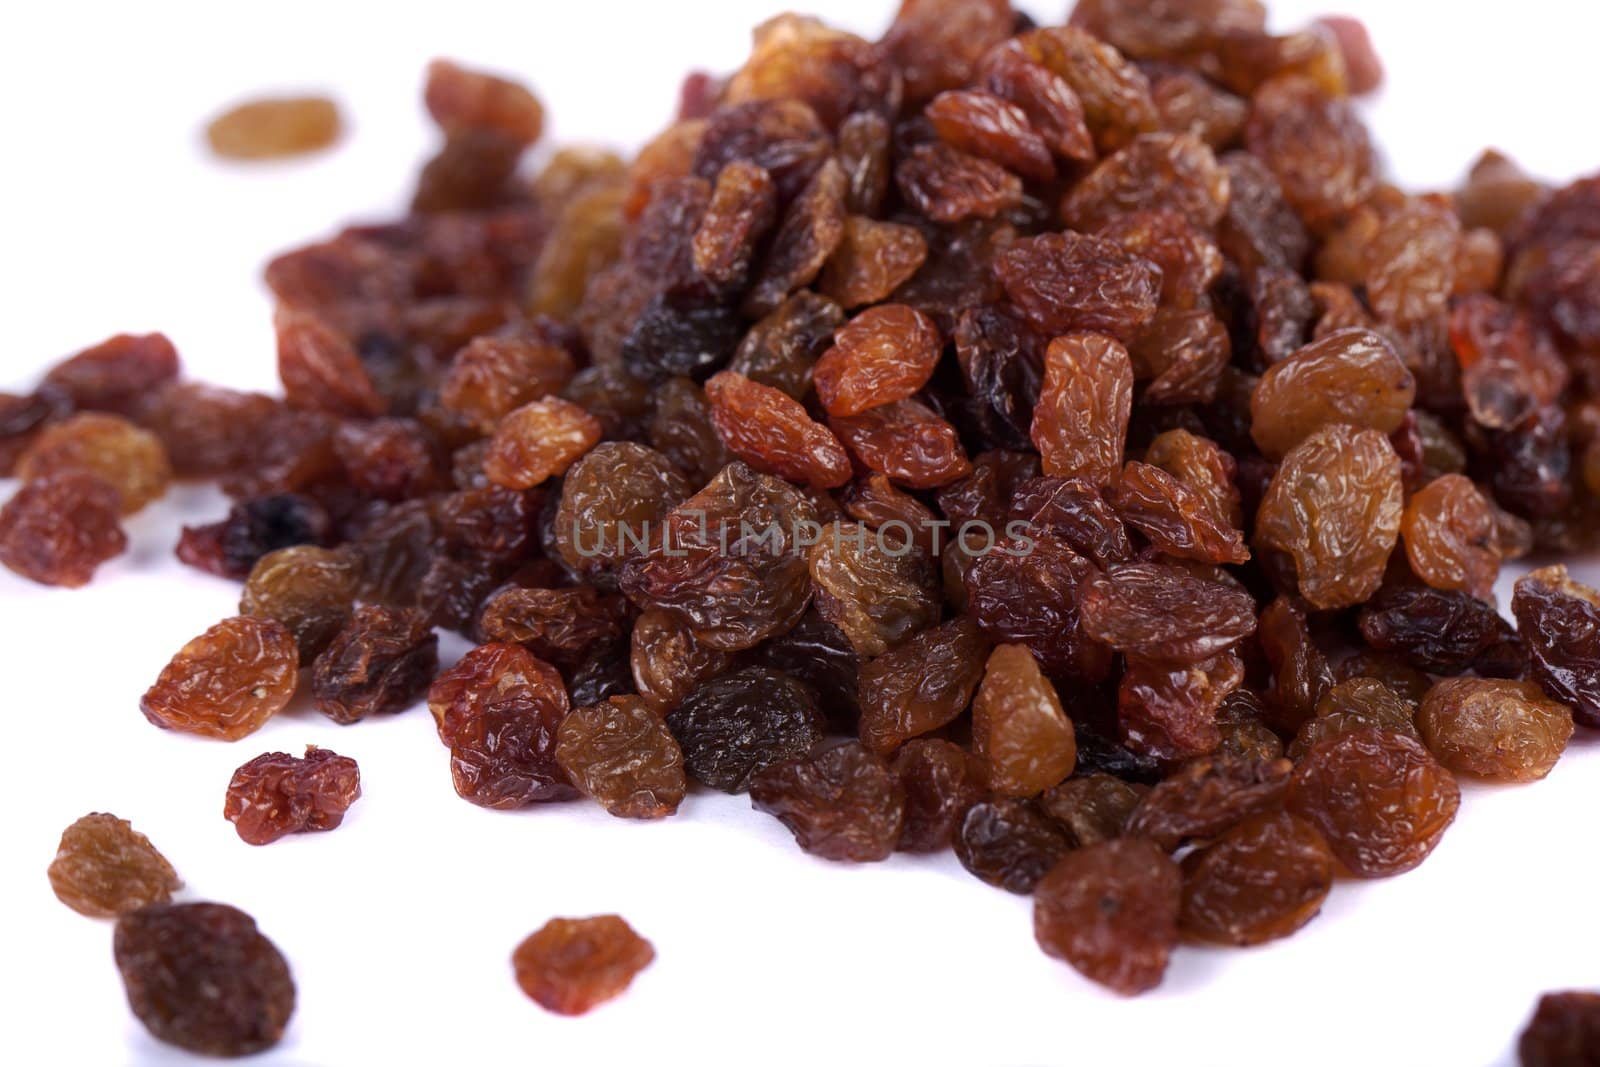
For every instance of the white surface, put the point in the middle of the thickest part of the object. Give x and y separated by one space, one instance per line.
399 925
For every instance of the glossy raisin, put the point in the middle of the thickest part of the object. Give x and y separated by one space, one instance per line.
623 755
228 681
1009 843
103 868
734 726
277 794
1111 911
381 662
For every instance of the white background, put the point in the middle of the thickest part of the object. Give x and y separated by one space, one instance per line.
399 925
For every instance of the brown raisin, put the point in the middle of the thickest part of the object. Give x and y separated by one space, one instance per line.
941 780
538 441
1503 730
1092 807
1206 797
1166 613
104 868
58 530
920 685
1451 536
623 755
1351 376
277 794
882 355
487 674
379 663
108 447
1111 911
1559 618
907 441
734 726
1007 842
771 431
1262 880
271 128
1064 282
1019 728
842 804
1081 422
228 681
1564 1031
570 966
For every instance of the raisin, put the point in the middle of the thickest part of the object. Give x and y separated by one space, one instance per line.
570 966
1169 711
1451 536
1189 260
228 681
1019 728
1115 95
1206 797
1435 630
1377 797
884 354
1067 282
1049 103
742 209
1029 592
937 43
1008 843
983 124
379 663
1564 1031
1165 613
275 127
812 228
794 56
1175 518
585 238
873 259
1081 422
471 172
493 376
484 676
58 530
1315 145
538 441
277 794
1335 505
1411 262
907 441
941 780
104 868
1091 807
733 727
556 624
1187 103
898 518
1263 879
623 755
875 592
842 804
503 754
1111 911
771 431
783 137
681 429
1559 618
459 99
108 447
612 501
780 349
1154 172
717 568
667 663
254 529
1201 465
680 335
1502 730
1356 704
310 590
1350 376
116 374
818 654
321 369
1074 511
920 685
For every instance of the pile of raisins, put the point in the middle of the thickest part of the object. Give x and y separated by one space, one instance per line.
1056 444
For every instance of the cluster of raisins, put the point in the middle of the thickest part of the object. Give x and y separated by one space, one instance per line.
1057 444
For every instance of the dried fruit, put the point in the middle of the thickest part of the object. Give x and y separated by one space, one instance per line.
1092 807
1504 730
1081 422
1262 880
381 662
772 432
1019 728
1452 537
538 441
104 868
1377 797
570 966
877 592
1008 842
1349 376
277 794
884 354
1165 613
1206 797
623 755
1066 282
735 726
920 685
941 780
203 978
58 530
273 127
1559 618
1111 911
1564 1031
842 804
228 681
1334 506
107 447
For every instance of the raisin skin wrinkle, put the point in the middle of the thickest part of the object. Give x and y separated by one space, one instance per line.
107 446
381 662
1559 618
843 804
228 681
1065 282
538 441
1564 1032
771 431
620 753
884 354
941 780
1111 911
203 978
503 756
1502 730
104 868
921 685
1335 506
1164 613
1378 797
1349 376
570 966
734 726
277 794
1019 728
1262 880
